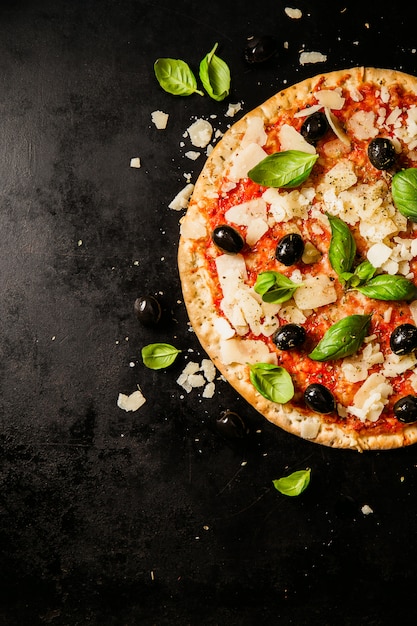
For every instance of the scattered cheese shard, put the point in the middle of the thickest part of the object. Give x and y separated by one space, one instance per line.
133 402
200 133
233 109
255 132
135 162
182 198
310 428
160 119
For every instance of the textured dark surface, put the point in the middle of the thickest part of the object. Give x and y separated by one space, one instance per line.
108 517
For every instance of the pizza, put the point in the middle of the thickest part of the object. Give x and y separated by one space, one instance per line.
298 258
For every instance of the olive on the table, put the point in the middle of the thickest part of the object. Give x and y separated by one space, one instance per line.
319 398
231 425
403 339
314 127
147 310
289 336
259 49
289 249
228 238
381 153
405 409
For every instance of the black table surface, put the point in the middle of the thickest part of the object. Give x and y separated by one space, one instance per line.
152 517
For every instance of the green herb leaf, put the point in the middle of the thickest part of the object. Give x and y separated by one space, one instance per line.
404 192
215 76
342 246
286 169
342 339
273 382
176 77
294 484
275 287
159 355
363 272
388 287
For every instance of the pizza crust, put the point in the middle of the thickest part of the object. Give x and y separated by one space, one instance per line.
198 286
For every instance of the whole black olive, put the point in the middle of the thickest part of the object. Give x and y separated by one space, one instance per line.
231 425
147 310
381 153
259 49
318 398
228 239
403 339
314 127
290 249
405 409
289 336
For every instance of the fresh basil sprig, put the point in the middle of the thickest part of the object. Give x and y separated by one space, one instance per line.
286 169
404 192
215 75
342 247
388 287
159 355
272 381
362 274
275 287
294 484
176 77
342 339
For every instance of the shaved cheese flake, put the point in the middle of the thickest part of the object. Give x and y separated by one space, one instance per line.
244 160
182 198
370 399
133 402
314 292
135 162
335 126
255 132
294 14
378 254
310 428
308 111
245 351
291 139
223 328
330 98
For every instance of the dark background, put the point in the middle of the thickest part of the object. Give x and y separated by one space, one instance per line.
152 517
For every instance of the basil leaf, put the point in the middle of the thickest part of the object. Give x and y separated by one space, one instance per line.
275 287
273 382
342 339
363 272
294 484
176 77
215 76
387 287
159 355
342 246
404 192
286 169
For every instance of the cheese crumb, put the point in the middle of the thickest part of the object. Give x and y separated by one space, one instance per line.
233 109
135 162
312 57
366 509
160 119
294 14
200 133
132 402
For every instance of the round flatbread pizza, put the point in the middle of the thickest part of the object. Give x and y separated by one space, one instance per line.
298 258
